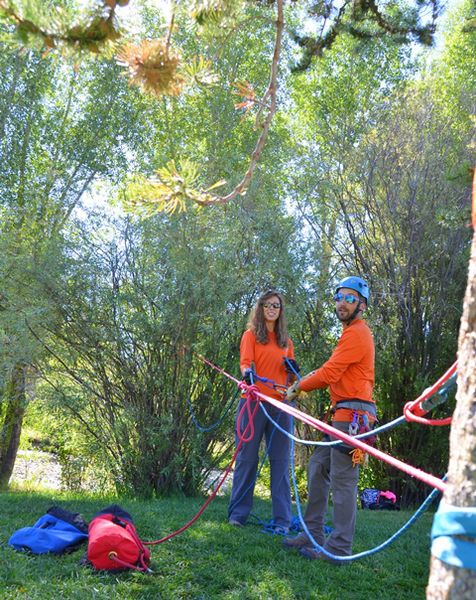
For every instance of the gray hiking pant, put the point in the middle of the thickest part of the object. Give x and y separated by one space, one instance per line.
246 466
331 470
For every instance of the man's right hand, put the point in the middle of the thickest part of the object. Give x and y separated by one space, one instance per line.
293 391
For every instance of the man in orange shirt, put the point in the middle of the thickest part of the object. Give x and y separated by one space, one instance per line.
349 375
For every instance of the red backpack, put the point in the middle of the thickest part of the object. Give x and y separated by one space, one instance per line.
113 542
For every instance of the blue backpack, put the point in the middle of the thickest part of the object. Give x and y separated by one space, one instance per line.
58 531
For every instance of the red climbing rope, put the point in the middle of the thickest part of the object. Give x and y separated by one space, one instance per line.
142 565
251 392
414 410
246 408
348 439
143 568
321 426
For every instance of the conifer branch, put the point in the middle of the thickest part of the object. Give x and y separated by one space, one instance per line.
352 15
270 94
98 29
173 186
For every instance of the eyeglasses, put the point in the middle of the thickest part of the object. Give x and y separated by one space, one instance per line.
271 305
349 298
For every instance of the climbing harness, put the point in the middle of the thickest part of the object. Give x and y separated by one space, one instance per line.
363 417
362 421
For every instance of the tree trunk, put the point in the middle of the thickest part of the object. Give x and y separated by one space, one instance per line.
15 402
446 581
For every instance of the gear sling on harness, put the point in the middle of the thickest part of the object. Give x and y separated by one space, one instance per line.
363 420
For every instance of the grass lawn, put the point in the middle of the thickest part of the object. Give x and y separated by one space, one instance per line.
212 559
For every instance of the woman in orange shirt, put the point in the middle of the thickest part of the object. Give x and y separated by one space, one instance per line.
264 346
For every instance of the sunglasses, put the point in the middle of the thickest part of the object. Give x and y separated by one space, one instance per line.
349 298
271 305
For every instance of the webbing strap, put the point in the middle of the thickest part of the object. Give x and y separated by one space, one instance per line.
357 405
451 521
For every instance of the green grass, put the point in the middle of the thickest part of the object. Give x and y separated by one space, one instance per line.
211 559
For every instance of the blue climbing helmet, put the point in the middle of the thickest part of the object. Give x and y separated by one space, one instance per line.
357 284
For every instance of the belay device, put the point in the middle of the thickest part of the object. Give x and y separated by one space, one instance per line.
113 542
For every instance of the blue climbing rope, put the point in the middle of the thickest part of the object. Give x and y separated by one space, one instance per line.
217 423
291 436
381 546
418 513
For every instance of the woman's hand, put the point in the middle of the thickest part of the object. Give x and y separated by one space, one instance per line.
249 376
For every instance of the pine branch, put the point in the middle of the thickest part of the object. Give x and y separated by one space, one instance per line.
173 187
270 94
99 28
363 12
316 46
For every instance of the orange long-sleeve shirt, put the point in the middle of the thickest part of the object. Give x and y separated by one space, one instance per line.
268 360
350 372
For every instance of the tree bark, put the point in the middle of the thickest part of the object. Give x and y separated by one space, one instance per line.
15 402
446 581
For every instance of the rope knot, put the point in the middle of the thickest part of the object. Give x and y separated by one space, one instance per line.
251 392
243 386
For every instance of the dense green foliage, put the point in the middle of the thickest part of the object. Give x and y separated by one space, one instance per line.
365 170
59 130
212 559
